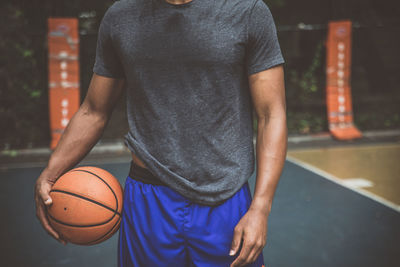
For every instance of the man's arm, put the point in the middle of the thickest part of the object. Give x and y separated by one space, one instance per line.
81 134
268 96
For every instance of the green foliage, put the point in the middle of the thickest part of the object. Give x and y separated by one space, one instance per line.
309 82
306 122
23 69
23 82
305 83
373 116
23 65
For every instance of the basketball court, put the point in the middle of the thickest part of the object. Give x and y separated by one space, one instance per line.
316 219
337 203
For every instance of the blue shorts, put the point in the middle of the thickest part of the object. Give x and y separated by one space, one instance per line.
160 227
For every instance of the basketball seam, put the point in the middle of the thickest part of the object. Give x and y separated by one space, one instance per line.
116 200
85 198
115 211
78 225
112 228
115 196
96 240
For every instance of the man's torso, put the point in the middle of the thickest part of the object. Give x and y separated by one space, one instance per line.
188 106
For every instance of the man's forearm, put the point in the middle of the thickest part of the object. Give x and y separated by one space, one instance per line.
81 134
271 145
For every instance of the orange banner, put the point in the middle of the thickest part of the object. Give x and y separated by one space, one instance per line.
338 90
64 95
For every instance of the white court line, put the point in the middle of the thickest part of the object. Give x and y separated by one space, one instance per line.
338 181
358 182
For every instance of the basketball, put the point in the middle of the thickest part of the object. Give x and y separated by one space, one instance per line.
87 205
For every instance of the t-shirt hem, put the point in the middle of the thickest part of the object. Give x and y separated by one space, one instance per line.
102 72
187 193
267 65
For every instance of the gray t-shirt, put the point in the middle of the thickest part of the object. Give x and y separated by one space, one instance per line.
188 100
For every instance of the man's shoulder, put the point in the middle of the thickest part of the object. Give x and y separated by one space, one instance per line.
247 3
242 3
122 6
237 6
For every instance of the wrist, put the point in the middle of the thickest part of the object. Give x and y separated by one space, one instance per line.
261 204
49 174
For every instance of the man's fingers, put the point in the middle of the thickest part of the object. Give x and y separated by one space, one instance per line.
41 215
44 194
254 253
236 241
43 200
45 222
242 259
48 201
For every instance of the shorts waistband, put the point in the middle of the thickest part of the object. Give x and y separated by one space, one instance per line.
143 175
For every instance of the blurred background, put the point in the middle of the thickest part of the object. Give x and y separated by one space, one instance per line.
302 29
337 203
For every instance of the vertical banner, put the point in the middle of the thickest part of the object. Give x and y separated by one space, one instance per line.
338 91
63 62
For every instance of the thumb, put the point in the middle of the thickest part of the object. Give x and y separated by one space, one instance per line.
237 238
46 198
48 201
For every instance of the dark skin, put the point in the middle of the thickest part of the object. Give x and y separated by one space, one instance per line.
268 95
85 128
81 134
87 125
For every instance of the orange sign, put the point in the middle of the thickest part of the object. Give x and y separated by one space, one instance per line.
64 96
338 90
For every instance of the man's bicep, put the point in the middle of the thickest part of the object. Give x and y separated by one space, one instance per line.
103 93
267 90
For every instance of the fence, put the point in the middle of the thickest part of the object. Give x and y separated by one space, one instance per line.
375 80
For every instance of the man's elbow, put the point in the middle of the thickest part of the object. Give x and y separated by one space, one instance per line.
90 113
272 112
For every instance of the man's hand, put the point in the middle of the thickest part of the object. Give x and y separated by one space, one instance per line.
80 135
43 199
268 96
251 232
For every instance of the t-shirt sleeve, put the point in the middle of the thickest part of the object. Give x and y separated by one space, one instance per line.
263 50
107 62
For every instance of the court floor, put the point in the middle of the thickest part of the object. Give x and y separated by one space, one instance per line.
373 169
315 221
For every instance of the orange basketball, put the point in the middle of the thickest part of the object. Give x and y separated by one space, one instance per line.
87 205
